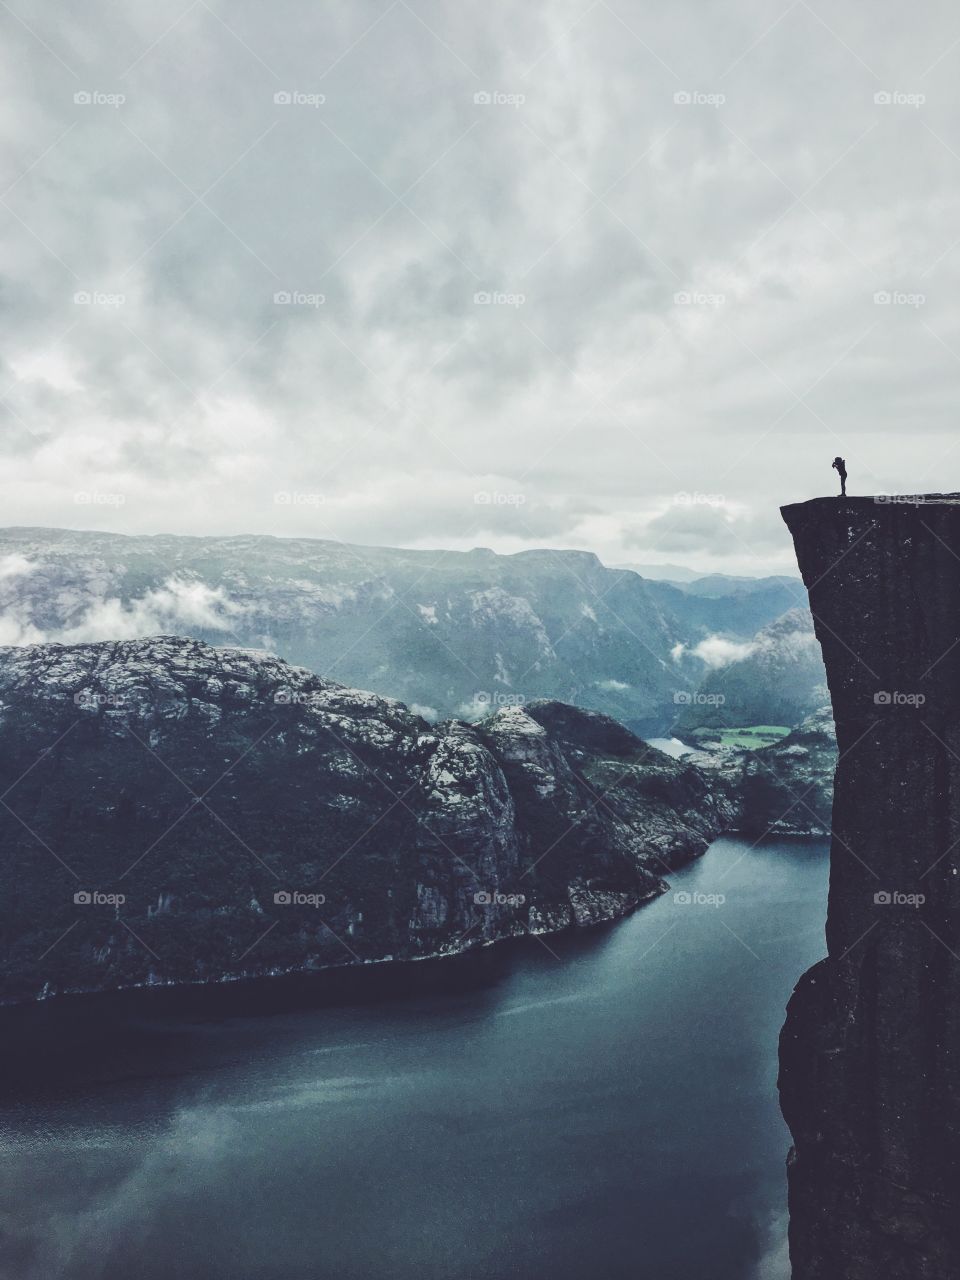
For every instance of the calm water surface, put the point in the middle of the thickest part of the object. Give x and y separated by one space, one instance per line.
671 746
594 1106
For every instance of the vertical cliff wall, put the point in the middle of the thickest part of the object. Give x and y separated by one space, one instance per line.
870 1053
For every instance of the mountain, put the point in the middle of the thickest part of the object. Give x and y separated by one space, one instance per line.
675 573
716 585
783 789
176 813
870 1052
720 584
450 633
779 680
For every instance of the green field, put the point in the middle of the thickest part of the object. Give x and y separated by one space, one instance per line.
750 737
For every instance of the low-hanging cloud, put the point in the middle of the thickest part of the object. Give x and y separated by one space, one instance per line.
14 565
177 605
716 651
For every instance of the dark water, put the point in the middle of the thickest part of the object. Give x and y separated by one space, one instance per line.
593 1106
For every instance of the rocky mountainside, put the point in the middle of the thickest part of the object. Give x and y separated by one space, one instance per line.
173 812
870 1053
779 680
785 789
450 633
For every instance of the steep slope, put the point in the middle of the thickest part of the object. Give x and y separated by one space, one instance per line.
780 680
454 633
870 1053
179 789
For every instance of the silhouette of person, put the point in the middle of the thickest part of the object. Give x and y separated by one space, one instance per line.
840 467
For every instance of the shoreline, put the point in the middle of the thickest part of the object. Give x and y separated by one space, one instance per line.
347 973
231 989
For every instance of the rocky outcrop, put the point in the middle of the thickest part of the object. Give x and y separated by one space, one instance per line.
870 1053
785 789
173 812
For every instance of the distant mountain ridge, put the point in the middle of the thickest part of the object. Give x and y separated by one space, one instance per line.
723 584
712 584
450 633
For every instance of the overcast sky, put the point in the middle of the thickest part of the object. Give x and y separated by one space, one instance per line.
681 214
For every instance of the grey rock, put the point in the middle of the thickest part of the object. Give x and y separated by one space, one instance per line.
256 819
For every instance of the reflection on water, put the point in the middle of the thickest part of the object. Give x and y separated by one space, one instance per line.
600 1104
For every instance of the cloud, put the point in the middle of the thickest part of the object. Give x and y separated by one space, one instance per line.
707 527
14 631
716 651
168 608
477 708
430 714
182 387
14 565
177 605
15 627
774 1263
76 1239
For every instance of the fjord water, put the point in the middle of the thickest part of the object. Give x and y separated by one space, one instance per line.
594 1105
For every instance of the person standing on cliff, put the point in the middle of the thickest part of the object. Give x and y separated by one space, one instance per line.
840 467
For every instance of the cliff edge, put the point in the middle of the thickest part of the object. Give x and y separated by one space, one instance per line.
870 1052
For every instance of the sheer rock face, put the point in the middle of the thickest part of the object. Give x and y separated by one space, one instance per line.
870 1053
220 814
